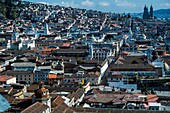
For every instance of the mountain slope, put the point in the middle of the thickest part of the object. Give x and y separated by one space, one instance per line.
161 13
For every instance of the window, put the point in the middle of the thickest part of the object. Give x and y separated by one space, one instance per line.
130 107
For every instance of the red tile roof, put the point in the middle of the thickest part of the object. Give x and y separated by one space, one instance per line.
36 108
52 76
4 78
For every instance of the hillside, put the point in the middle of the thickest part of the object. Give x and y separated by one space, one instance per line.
161 13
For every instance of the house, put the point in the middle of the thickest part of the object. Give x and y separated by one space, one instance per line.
23 66
17 91
166 61
132 66
70 52
7 79
57 67
120 81
5 61
5 90
101 51
154 106
37 107
91 78
55 79
98 99
60 106
77 96
21 76
41 73
159 67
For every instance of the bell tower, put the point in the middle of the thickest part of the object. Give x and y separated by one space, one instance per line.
46 29
145 13
42 95
151 12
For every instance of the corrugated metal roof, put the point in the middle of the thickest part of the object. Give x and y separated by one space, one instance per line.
4 104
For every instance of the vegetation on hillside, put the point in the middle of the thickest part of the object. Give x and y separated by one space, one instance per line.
10 8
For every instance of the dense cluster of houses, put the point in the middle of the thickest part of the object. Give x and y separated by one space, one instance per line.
83 61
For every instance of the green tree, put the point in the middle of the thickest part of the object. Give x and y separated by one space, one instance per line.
10 8
3 9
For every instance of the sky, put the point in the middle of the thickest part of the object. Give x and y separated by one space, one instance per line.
115 6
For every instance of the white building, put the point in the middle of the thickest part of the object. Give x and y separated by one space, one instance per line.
159 64
23 66
119 81
101 51
154 106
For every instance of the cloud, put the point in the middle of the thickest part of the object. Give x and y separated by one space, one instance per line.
43 3
165 4
87 3
66 4
104 3
121 3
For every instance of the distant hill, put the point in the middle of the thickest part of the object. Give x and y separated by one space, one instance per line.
161 13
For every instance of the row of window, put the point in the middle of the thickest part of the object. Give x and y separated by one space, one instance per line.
40 75
39 79
23 79
23 75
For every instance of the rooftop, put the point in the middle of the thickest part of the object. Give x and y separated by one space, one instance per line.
36 108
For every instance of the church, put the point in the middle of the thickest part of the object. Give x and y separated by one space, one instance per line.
148 14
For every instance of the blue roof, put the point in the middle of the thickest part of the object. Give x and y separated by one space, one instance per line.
4 104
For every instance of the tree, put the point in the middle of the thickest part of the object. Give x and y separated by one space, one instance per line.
3 8
10 8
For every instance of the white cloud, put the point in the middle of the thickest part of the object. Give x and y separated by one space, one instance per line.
104 3
121 3
43 3
165 4
67 4
87 3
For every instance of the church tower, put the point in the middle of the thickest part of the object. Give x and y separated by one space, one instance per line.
14 34
132 25
42 95
145 13
46 29
151 12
